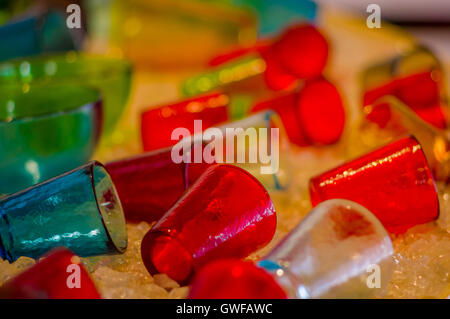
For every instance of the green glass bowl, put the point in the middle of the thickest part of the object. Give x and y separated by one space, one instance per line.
112 77
46 131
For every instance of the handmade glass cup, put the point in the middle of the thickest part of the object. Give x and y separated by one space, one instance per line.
35 35
79 210
416 79
226 213
112 77
394 182
149 184
46 132
60 275
340 250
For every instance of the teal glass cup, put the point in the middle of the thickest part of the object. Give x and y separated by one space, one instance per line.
36 35
112 77
45 132
79 210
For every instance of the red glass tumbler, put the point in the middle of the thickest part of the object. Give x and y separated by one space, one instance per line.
226 213
158 124
311 115
300 52
394 182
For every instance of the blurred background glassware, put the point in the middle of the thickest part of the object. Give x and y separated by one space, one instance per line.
36 35
79 210
46 131
158 123
60 275
112 77
227 213
275 15
416 78
399 120
395 182
257 144
340 250
154 33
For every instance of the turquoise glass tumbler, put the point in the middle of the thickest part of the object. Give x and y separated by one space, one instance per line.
112 77
45 132
79 210
35 35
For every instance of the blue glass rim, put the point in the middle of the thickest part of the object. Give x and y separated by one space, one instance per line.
95 102
113 242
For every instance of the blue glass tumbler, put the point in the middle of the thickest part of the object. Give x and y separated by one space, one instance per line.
79 210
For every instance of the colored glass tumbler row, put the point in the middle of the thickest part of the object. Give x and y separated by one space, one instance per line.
79 210
46 132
